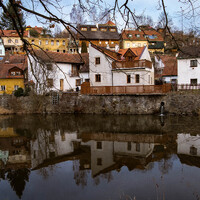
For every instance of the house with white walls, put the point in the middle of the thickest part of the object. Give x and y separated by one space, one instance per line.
57 71
127 67
188 62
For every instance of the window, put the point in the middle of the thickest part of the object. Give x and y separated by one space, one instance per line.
112 30
103 29
133 44
16 40
32 41
49 66
12 73
193 63
193 151
112 42
3 87
52 42
97 60
57 42
193 81
99 161
139 44
129 146
137 78
83 29
128 44
130 35
16 87
129 78
9 41
98 77
58 50
63 51
50 82
47 42
18 73
137 148
78 82
63 42
99 145
93 29
40 42
87 80
137 35
106 42
99 42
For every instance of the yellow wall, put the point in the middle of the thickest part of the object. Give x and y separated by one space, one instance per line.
137 44
41 42
10 83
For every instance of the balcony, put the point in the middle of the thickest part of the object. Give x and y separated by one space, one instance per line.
131 64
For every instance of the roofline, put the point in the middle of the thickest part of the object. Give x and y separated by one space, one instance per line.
142 51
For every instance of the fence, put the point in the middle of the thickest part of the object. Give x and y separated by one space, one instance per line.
188 87
139 89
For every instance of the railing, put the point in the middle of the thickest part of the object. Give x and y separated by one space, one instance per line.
139 89
131 64
188 87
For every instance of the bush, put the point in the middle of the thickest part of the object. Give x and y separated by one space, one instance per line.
19 92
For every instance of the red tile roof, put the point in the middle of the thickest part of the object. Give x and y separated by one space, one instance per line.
38 29
110 23
137 51
132 35
11 61
11 33
170 63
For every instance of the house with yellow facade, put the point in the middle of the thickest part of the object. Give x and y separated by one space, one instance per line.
13 73
11 40
143 37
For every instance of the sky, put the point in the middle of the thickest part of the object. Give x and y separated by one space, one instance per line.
146 7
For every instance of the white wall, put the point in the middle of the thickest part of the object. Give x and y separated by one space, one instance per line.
104 68
168 79
60 71
185 72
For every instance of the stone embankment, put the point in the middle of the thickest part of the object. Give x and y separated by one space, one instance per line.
180 103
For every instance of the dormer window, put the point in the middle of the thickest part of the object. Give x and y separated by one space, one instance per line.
145 36
103 29
137 35
12 73
112 30
18 73
93 29
83 29
130 35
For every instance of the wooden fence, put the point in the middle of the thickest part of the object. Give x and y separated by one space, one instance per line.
139 89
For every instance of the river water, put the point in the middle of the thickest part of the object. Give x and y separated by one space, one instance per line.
87 157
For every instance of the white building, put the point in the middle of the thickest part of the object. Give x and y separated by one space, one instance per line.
189 66
128 67
57 71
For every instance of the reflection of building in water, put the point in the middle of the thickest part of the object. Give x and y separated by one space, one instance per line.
188 144
49 145
188 149
112 151
14 150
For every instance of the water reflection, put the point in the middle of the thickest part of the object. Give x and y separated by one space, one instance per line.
96 146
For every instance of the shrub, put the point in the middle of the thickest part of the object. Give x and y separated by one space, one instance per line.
19 92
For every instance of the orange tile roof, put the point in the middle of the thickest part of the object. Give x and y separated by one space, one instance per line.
110 23
11 61
11 33
170 63
137 51
125 35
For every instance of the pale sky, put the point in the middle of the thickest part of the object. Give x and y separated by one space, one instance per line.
148 7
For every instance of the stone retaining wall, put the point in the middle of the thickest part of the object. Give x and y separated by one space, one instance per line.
175 103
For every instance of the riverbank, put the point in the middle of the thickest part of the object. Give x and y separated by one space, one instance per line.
178 103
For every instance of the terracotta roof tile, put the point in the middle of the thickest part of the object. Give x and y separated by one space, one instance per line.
137 51
131 35
11 33
170 63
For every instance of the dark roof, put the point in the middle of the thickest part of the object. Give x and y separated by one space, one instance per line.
56 57
189 52
157 45
98 35
85 67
